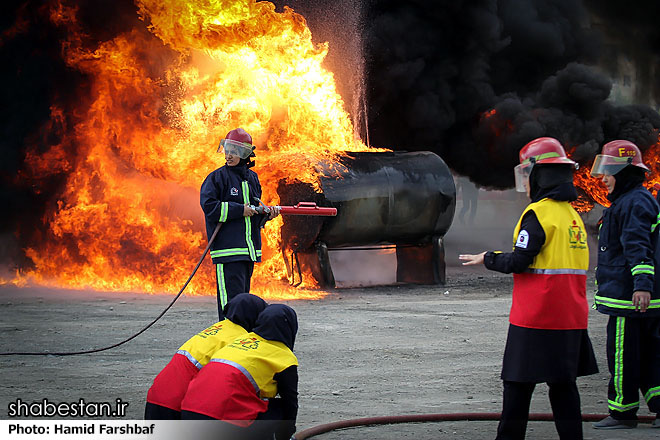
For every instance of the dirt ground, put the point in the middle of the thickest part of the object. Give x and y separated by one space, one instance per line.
363 352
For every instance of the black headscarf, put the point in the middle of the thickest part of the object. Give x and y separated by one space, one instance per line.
248 163
243 309
626 179
240 169
278 323
554 181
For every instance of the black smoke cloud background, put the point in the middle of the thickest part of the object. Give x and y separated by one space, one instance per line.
436 70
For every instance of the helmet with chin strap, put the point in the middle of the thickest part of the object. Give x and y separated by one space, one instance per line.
543 150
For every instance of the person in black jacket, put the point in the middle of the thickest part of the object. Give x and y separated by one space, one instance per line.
627 288
547 339
227 196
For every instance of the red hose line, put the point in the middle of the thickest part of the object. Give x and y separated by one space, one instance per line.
416 418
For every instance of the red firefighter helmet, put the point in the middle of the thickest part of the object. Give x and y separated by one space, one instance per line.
543 150
617 155
238 142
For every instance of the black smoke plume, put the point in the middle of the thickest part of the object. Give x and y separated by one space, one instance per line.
476 80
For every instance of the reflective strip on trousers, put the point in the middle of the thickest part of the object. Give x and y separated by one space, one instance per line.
651 393
242 369
619 339
222 290
190 357
614 406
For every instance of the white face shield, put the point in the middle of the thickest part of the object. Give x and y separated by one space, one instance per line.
235 148
609 165
521 173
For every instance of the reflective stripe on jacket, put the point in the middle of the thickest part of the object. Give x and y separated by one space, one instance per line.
551 293
223 195
628 254
201 347
258 359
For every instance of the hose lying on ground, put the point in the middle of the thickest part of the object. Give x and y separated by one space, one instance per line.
96 350
417 418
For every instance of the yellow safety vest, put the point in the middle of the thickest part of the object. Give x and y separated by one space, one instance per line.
200 347
551 293
258 359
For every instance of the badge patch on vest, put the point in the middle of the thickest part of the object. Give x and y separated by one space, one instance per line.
523 239
576 236
211 331
233 191
246 344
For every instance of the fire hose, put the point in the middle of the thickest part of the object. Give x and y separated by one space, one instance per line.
96 350
421 418
302 208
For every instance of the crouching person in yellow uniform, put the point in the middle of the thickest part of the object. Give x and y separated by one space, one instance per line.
240 383
165 395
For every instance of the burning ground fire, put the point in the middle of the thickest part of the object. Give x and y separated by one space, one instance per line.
157 101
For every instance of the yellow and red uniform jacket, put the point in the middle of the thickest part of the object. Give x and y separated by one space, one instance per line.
171 384
201 347
235 384
551 293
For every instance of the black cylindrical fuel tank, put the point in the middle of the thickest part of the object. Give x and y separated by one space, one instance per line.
398 197
381 197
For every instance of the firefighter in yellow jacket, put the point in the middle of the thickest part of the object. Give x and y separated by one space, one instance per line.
240 383
170 385
547 339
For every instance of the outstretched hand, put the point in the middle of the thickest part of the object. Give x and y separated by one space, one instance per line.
472 259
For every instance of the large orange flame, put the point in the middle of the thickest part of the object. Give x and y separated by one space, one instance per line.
594 190
652 160
159 100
